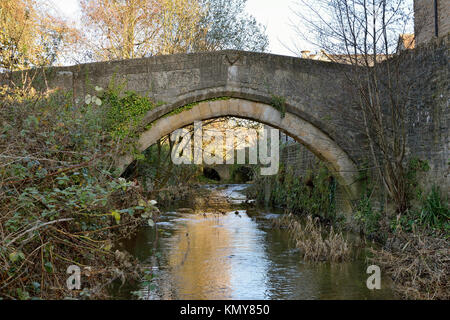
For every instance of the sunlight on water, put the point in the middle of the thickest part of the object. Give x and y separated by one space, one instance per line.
238 255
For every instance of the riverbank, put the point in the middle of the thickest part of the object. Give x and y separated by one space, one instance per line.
419 265
63 206
224 248
416 259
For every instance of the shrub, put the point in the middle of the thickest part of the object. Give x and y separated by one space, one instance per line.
313 193
62 203
435 212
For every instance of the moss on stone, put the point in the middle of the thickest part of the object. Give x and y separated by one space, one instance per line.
191 105
279 103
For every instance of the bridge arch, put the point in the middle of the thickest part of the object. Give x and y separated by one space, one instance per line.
318 142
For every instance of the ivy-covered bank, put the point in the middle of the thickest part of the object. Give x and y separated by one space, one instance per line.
62 202
310 194
414 245
428 206
313 191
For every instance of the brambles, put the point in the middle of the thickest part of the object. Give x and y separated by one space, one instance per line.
62 203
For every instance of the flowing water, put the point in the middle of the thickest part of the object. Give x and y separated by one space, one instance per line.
225 252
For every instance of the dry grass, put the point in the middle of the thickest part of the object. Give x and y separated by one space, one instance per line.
419 266
315 242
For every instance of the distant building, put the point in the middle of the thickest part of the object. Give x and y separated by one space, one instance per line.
360 59
431 19
406 42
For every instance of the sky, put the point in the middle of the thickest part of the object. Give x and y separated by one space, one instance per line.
275 15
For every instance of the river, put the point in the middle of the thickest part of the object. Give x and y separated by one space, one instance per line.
222 251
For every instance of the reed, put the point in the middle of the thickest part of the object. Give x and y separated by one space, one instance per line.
315 241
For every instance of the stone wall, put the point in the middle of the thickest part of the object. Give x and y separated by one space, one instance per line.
424 19
316 92
444 17
426 70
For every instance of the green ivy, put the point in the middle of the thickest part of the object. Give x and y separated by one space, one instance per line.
181 109
313 193
415 166
279 103
125 113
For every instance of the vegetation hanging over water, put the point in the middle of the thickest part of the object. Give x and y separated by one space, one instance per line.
311 194
62 203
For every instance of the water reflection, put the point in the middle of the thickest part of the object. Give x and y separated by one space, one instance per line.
198 259
236 255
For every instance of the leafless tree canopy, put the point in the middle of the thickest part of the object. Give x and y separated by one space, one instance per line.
365 33
353 27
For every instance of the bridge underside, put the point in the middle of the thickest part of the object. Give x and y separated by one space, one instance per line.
339 163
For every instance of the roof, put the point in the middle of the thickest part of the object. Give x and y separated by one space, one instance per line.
406 42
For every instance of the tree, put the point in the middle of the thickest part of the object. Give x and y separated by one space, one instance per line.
364 33
119 29
229 27
179 27
141 28
353 27
30 35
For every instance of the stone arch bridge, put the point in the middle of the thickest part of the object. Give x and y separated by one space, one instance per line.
310 100
319 109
